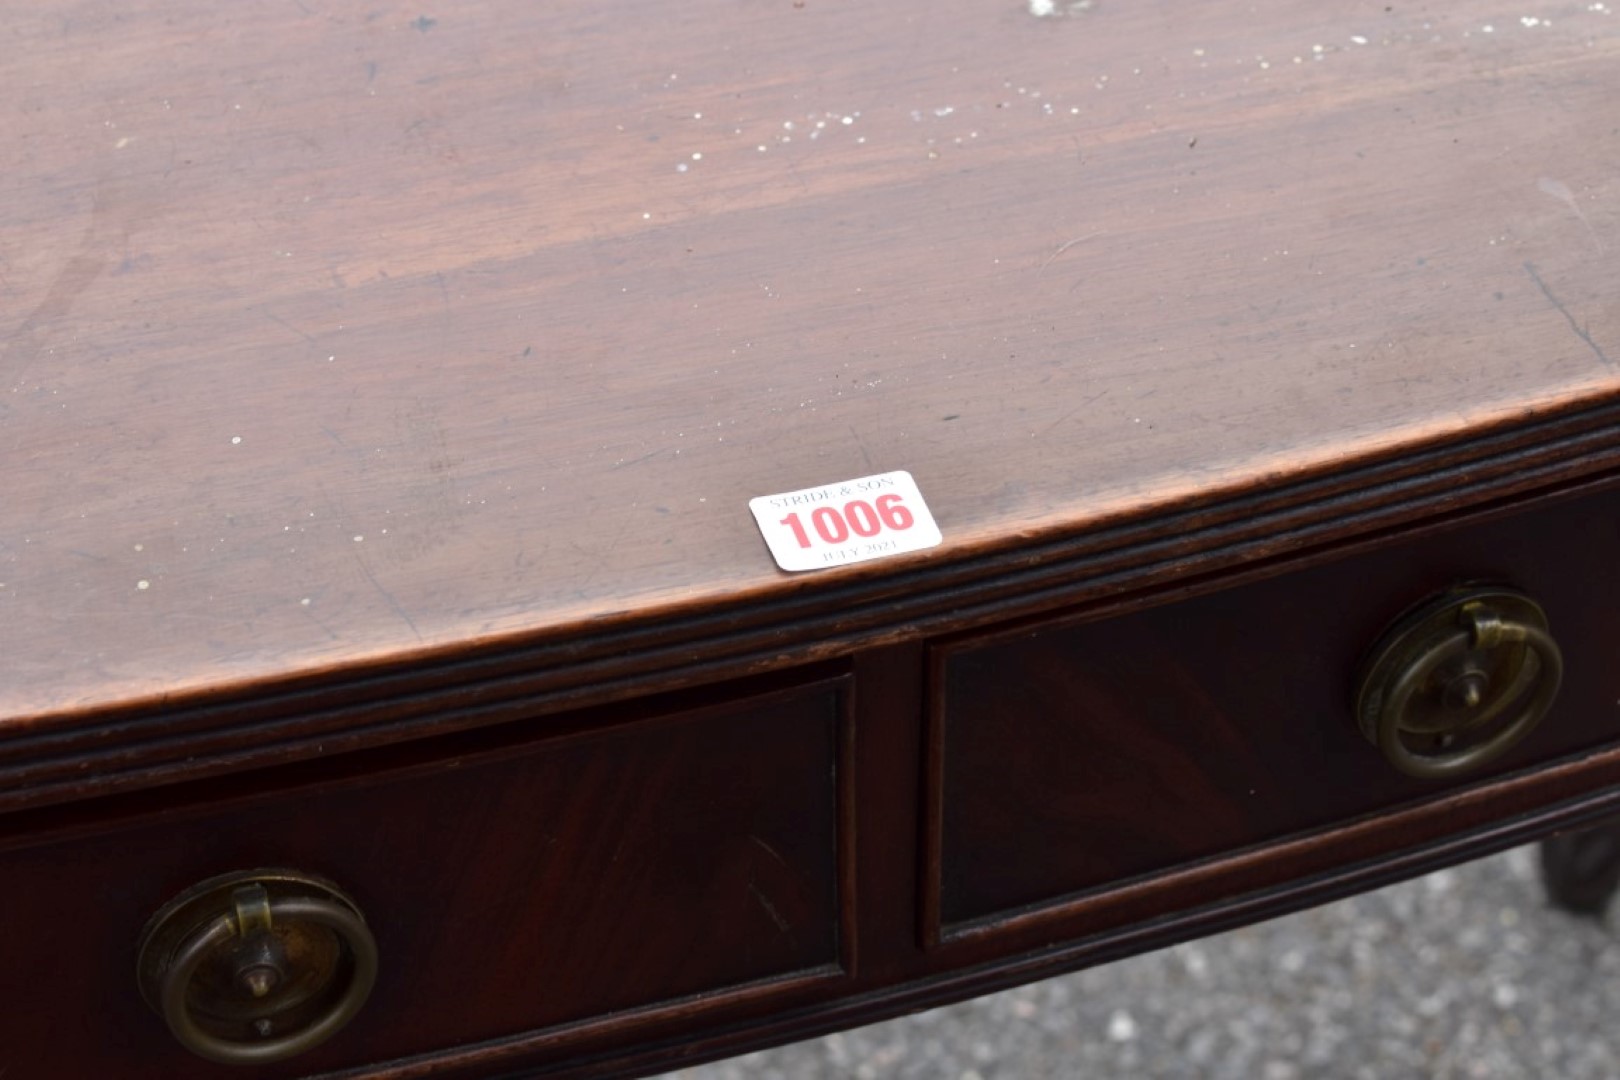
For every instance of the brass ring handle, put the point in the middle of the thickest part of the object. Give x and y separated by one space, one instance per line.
259 967
1466 677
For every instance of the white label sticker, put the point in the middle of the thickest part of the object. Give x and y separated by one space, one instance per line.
872 517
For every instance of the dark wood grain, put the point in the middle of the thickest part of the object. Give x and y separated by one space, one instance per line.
1073 756
382 389
90 754
442 277
530 888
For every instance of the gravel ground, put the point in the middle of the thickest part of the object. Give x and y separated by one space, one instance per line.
1463 973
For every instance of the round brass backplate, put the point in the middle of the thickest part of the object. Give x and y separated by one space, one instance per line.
257 966
1458 680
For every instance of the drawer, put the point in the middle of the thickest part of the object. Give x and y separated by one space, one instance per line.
1079 754
573 885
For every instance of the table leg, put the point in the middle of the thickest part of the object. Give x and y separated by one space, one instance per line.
1581 869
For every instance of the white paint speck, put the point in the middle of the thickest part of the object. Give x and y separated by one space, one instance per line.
1042 8
236 440
1121 1026
304 602
143 585
1357 39
358 539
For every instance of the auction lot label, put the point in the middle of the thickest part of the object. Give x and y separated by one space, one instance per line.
852 521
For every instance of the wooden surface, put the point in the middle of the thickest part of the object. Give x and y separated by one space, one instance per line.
334 333
590 883
382 390
1076 756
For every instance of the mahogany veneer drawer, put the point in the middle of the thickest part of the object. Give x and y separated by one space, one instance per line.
1083 754
576 877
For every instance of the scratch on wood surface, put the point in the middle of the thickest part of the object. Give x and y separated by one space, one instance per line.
1066 245
1580 331
862 447
637 460
273 317
387 596
770 851
1093 399
335 437
776 916
1560 191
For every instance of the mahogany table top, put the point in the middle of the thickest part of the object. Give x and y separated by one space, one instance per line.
337 334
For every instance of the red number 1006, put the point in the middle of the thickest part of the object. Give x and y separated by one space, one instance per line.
859 517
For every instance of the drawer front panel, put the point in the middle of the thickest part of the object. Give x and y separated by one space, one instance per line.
1073 755
526 888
